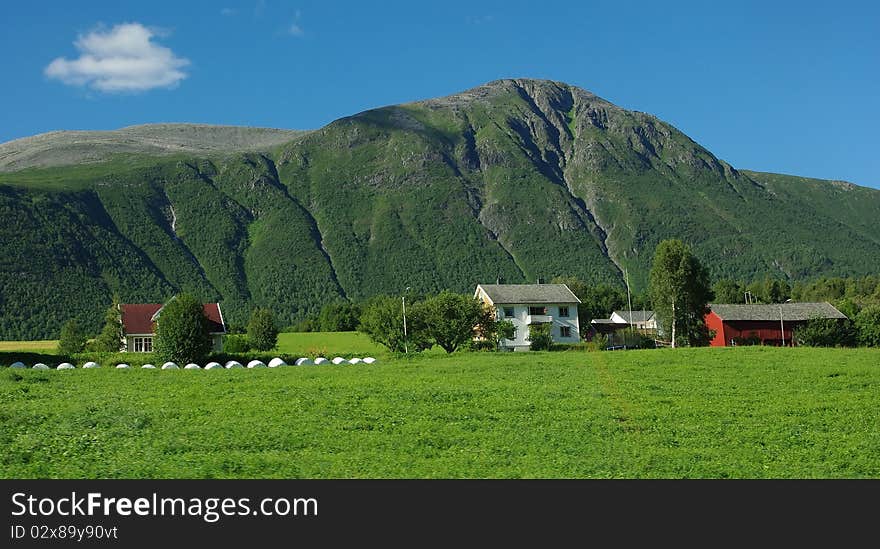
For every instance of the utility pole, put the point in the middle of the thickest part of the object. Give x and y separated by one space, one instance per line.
781 322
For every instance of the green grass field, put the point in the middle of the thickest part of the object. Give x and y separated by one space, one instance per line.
685 413
45 346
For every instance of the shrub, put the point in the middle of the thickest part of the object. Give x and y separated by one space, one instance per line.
182 331
382 322
72 340
540 336
110 338
826 332
236 343
261 330
868 326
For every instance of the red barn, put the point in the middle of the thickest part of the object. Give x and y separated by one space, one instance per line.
737 324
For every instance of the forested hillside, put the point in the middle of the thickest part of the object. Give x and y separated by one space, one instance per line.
514 180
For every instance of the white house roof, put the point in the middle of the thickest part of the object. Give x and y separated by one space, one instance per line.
501 294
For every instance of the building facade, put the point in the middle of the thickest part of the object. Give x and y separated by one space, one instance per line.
528 304
763 324
139 325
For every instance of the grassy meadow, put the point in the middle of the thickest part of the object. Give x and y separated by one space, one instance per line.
686 413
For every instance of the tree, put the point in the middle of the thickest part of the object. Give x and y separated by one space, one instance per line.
382 321
262 333
451 319
680 291
597 301
110 338
72 339
182 331
827 332
339 317
728 291
540 336
868 326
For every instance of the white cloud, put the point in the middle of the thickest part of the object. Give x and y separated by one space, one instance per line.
295 30
123 59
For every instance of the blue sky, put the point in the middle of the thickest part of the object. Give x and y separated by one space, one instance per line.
788 87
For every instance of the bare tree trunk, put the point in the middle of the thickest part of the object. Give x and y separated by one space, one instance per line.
673 323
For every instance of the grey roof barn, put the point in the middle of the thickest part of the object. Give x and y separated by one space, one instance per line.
791 312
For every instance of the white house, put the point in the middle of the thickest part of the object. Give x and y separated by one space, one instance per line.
640 320
139 325
526 304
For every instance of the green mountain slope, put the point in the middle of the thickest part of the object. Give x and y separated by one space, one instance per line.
516 179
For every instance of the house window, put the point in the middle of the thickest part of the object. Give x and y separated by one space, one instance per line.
564 331
537 310
143 344
508 312
563 312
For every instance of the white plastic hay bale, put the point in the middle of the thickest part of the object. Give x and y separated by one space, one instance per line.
213 366
17 365
339 360
276 362
91 365
148 367
170 366
123 366
304 362
233 364
369 360
321 360
40 366
355 360
192 366
256 364
66 366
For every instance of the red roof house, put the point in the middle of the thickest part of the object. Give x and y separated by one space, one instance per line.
760 324
139 325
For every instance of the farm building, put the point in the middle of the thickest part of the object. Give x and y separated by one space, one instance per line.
528 304
758 324
640 320
139 325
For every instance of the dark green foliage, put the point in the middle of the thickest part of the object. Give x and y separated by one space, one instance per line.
518 180
827 332
262 333
868 326
110 338
728 291
680 293
451 319
540 336
597 300
72 340
382 321
182 331
340 316
236 343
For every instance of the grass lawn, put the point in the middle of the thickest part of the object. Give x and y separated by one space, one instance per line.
683 413
329 344
44 346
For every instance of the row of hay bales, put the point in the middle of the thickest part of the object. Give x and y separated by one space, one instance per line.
274 363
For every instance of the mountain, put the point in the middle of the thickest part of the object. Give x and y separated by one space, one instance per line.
516 179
